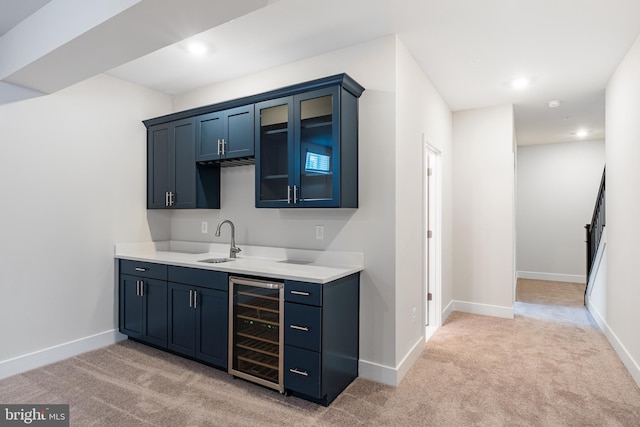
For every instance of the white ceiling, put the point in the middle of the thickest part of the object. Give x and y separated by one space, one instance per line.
470 49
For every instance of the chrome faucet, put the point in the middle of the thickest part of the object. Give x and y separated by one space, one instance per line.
233 250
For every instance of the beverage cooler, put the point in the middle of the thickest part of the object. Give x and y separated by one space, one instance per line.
256 338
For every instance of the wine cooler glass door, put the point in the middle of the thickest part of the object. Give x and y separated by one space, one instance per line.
255 335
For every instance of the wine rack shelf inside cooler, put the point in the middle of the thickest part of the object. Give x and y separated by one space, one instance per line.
256 336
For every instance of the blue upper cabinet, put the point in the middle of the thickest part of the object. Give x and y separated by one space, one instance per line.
174 181
307 150
302 138
225 135
171 181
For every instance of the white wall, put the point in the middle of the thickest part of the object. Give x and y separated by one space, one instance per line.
483 211
420 111
557 189
73 166
72 176
623 210
369 229
372 228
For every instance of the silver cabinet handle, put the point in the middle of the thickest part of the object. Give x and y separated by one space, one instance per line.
288 194
223 142
295 194
140 269
195 299
137 287
218 147
295 371
190 298
299 328
166 198
171 198
304 294
141 288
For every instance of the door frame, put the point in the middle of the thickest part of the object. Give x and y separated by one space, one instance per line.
432 247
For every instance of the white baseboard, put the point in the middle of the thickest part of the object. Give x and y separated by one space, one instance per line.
388 375
484 309
409 359
37 359
376 372
447 311
620 349
553 277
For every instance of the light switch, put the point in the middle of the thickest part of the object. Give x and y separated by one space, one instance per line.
319 232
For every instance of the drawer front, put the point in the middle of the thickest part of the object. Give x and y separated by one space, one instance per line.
143 269
302 292
199 277
302 371
303 326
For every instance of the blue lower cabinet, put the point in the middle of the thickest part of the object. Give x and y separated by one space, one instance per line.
321 337
184 310
198 323
143 309
302 371
182 320
212 327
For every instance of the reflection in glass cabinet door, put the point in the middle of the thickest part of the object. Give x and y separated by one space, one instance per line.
274 152
316 148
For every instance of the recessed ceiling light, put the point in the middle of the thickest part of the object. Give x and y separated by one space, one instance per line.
520 83
582 133
197 48
554 103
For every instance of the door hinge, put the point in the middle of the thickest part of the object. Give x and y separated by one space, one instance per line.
429 234
429 296
429 171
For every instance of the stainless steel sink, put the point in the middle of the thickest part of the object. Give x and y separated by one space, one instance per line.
216 260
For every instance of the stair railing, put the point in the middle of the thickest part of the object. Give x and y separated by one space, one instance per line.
596 227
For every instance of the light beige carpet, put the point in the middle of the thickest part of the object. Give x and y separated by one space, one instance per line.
550 366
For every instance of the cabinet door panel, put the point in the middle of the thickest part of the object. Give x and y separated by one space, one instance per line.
317 147
182 317
184 165
274 152
158 159
239 136
155 311
209 130
130 307
212 327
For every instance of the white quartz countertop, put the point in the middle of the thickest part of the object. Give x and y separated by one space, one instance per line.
277 263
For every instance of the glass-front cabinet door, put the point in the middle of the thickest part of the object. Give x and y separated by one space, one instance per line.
274 152
317 148
298 150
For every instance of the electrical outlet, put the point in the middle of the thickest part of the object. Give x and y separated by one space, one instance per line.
413 314
205 227
319 232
